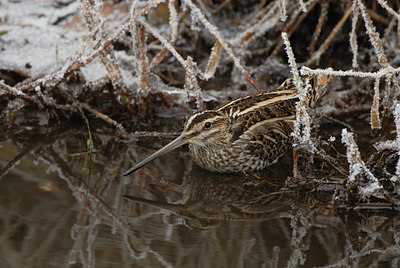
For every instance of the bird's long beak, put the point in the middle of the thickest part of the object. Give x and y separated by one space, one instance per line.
181 140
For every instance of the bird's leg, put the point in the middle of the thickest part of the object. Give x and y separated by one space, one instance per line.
250 178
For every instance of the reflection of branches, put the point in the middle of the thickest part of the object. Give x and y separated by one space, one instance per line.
86 229
89 218
39 234
10 165
367 243
299 224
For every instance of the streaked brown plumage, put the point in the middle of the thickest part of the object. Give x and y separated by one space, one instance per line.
244 134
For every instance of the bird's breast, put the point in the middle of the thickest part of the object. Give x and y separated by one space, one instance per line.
226 158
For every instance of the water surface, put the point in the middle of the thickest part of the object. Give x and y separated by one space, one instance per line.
54 213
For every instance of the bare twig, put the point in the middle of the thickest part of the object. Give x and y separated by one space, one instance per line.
317 54
107 119
321 22
357 167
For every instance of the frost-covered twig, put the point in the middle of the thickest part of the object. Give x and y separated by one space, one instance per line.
374 36
164 42
393 145
303 6
173 22
261 24
143 101
72 65
293 67
389 9
16 92
388 72
213 61
375 122
353 34
397 120
282 8
302 129
214 31
358 168
94 18
173 19
40 101
140 50
382 72
192 84
113 37
377 44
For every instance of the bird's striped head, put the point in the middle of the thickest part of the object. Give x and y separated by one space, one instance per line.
201 129
205 127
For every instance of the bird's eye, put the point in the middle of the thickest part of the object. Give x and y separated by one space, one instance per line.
207 125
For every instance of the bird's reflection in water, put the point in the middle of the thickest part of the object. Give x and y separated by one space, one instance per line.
215 197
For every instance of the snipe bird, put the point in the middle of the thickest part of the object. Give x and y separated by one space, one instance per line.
245 134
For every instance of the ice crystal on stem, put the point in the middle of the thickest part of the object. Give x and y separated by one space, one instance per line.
164 42
293 66
192 84
302 129
260 26
194 24
357 168
393 145
173 18
282 7
397 122
303 6
389 9
382 72
374 36
353 35
213 61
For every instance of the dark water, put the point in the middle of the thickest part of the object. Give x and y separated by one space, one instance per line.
52 214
